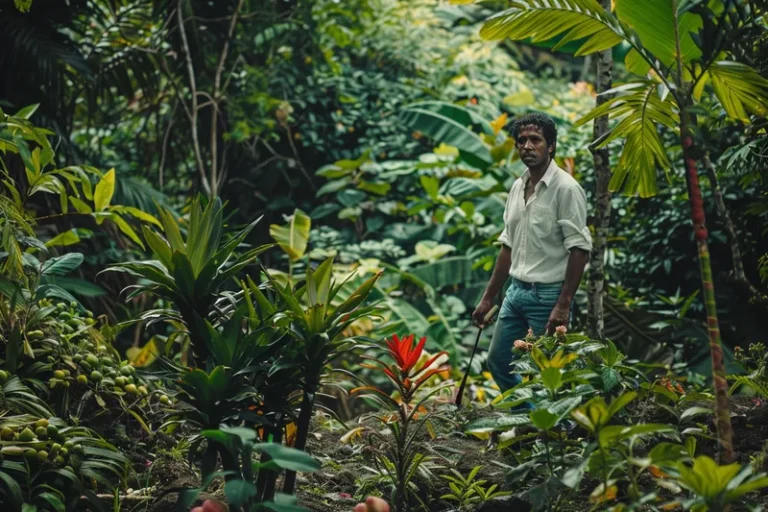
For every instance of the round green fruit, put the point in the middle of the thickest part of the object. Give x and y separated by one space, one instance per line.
120 381
59 374
92 360
3 376
59 460
96 376
6 433
68 445
42 422
27 435
30 454
82 379
77 358
64 452
143 390
55 447
165 400
42 455
131 388
52 431
41 432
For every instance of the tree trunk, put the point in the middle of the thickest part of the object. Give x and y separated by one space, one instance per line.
720 384
738 276
596 284
302 432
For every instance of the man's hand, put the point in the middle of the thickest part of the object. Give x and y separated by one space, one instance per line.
482 309
372 504
559 316
211 506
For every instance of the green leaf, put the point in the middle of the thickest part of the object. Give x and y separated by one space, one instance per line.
462 115
653 21
69 237
293 237
582 21
552 378
288 458
613 434
284 503
239 492
14 494
494 423
639 109
444 129
431 185
740 89
543 419
105 189
75 285
125 228
62 265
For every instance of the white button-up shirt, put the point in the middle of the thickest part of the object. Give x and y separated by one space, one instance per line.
542 232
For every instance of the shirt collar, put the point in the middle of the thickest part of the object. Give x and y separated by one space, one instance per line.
549 174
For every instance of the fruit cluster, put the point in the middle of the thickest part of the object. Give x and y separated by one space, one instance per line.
39 443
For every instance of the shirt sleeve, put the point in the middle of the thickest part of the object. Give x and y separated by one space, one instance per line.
504 236
572 218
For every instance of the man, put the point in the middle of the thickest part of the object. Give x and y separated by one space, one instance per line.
545 245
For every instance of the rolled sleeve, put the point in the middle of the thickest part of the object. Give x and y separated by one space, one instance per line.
504 238
572 218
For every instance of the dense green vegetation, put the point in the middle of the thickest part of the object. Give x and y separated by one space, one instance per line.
242 241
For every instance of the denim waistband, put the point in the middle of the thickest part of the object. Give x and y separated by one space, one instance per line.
525 285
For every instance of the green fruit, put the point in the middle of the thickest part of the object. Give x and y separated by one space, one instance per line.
3 375
55 447
73 304
6 433
36 334
89 314
77 358
52 431
68 445
60 306
64 452
126 370
75 323
65 315
42 422
65 383
131 388
30 454
13 451
59 374
90 321
82 379
96 376
79 449
120 381
41 432
69 468
102 348
92 360
143 390
108 382
59 460
27 435
42 455
165 400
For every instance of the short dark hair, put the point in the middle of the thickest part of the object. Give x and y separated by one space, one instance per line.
543 121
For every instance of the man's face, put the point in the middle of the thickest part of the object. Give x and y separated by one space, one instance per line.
532 146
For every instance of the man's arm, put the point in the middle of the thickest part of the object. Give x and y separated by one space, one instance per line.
577 260
499 276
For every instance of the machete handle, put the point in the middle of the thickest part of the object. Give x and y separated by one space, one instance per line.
489 315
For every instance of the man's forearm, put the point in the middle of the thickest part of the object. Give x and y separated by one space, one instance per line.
500 273
577 260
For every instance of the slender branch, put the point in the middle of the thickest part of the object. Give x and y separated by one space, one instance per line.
165 143
193 89
216 97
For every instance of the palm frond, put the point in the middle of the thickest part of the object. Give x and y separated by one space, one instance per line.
571 20
639 109
740 89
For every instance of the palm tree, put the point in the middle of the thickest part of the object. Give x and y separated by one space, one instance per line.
678 50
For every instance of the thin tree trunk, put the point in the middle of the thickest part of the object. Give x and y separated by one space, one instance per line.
720 384
730 230
302 432
596 285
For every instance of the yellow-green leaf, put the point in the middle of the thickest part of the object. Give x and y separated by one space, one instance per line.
293 237
126 229
105 189
63 239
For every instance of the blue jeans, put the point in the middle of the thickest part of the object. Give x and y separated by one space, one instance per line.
525 305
